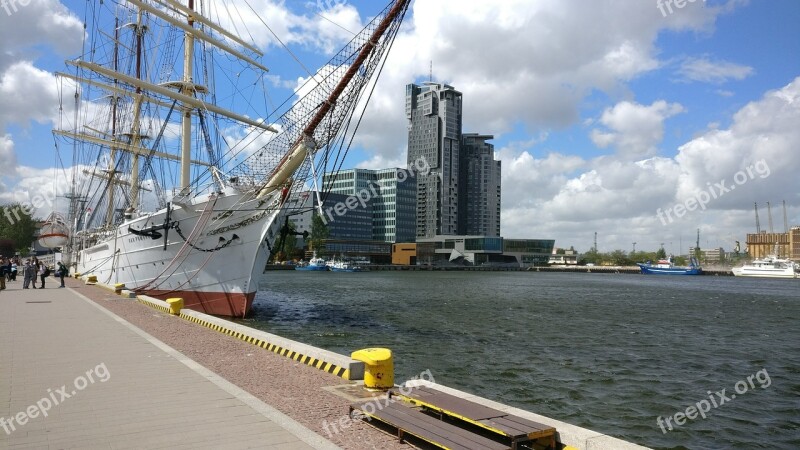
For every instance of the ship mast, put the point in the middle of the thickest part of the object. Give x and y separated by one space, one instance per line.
187 89
136 137
112 151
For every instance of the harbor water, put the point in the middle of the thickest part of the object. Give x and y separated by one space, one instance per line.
608 352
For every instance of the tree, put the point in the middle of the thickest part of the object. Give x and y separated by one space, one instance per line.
661 253
590 257
319 232
17 226
288 244
619 258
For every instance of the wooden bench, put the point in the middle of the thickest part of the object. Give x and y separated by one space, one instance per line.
410 420
517 429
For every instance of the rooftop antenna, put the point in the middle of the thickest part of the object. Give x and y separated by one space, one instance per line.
785 218
758 224
430 77
769 216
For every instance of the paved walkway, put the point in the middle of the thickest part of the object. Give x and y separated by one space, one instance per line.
74 375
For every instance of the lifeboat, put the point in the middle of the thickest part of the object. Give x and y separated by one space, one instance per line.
54 232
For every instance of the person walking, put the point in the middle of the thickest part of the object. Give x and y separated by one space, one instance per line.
61 272
26 275
14 264
2 273
42 274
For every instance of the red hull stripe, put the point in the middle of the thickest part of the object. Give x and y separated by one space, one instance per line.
225 304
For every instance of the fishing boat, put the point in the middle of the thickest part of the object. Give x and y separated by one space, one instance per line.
769 267
668 267
175 194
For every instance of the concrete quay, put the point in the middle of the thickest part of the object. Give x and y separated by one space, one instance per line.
75 375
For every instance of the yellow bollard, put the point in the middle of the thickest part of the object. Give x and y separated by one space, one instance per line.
118 288
91 279
379 370
77 275
175 305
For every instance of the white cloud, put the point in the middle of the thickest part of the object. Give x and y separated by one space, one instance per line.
619 199
636 129
27 93
709 71
41 22
520 64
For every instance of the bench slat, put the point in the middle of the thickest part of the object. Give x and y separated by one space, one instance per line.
495 420
430 429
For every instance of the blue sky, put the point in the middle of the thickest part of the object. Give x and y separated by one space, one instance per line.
603 112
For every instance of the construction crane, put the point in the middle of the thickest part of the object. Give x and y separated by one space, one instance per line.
785 218
769 216
758 224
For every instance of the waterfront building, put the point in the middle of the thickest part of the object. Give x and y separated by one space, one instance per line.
709 255
568 257
479 184
483 251
355 224
434 118
392 194
794 244
460 193
760 245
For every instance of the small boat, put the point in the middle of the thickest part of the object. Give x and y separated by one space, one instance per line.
667 267
314 265
769 267
341 266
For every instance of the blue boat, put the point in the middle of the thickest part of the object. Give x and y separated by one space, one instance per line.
667 267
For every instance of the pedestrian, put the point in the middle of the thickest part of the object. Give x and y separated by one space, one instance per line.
61 272
2 274
26 274
14 263
42 274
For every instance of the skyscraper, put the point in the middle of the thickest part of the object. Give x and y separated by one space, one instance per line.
433 111
479 208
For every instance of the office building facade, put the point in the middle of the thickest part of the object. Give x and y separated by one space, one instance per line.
391 194
479 197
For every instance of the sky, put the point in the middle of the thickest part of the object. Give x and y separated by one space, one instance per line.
635 119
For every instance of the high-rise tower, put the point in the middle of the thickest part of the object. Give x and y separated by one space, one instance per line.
434 111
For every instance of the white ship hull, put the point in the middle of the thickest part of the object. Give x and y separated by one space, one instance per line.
765 272
214 268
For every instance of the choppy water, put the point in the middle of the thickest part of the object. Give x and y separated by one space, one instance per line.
606 352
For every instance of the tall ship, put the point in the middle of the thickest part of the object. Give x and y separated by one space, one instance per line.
174 192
